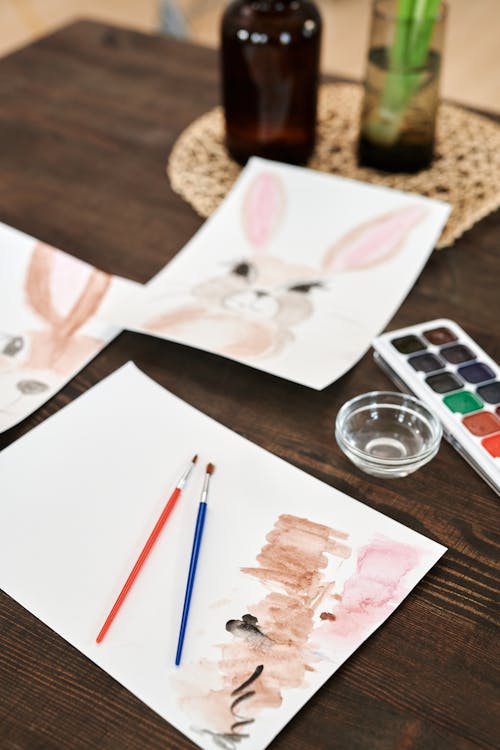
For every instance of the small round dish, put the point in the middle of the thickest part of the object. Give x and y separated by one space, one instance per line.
387 434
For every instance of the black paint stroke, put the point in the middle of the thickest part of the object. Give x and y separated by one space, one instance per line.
241 723
258 671
241 698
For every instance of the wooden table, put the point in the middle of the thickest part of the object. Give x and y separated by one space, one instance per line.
88 117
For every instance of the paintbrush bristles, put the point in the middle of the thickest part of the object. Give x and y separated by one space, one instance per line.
210 468
194 459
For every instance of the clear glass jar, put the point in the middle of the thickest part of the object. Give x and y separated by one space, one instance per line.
401 95
270 66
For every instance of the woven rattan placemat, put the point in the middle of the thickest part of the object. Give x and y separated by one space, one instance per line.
465 172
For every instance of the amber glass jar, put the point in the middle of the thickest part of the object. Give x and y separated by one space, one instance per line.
270 64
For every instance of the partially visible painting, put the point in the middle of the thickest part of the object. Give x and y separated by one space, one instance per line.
49 321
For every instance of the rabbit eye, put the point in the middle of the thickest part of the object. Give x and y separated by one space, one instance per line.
305 288
242 269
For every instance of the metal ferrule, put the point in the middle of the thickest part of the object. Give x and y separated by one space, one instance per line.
182 481
204 493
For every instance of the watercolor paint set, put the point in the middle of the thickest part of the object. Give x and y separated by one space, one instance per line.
440 364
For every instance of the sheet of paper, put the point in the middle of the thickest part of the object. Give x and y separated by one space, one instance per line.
51 324
293 575
294 274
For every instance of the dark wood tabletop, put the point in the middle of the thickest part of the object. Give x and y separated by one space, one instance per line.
87 119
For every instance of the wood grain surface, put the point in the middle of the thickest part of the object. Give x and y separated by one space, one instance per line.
88 117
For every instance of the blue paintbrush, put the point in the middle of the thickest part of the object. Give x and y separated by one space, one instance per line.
198 533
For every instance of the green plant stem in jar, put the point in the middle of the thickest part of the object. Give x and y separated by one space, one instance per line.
402 81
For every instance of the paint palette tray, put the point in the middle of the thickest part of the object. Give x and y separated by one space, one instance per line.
440 364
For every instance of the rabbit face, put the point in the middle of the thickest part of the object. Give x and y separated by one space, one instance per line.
264 289
250 310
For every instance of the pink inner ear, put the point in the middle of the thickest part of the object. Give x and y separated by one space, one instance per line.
372 242
68 279
263 208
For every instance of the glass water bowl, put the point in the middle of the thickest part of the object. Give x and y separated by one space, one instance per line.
388 434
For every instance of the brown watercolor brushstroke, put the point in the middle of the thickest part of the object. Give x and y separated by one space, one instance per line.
291 564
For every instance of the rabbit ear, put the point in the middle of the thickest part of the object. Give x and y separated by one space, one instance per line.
37 283
263 208
87 303
64 291
68 278
372 242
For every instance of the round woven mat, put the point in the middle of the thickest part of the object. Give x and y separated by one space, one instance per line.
465 172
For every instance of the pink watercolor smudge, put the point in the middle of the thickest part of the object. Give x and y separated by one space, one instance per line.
373 591
262 209
373 241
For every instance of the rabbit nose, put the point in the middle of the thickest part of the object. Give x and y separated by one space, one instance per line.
260 293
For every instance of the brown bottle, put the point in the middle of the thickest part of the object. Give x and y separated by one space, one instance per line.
270 63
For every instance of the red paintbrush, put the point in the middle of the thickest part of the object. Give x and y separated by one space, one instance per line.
147 549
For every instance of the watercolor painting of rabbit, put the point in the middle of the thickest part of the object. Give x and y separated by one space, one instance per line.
252 307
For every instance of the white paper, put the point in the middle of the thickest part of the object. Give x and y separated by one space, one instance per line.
327 570
294 274
51 324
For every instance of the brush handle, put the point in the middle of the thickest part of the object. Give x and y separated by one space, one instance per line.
140 561
198 533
